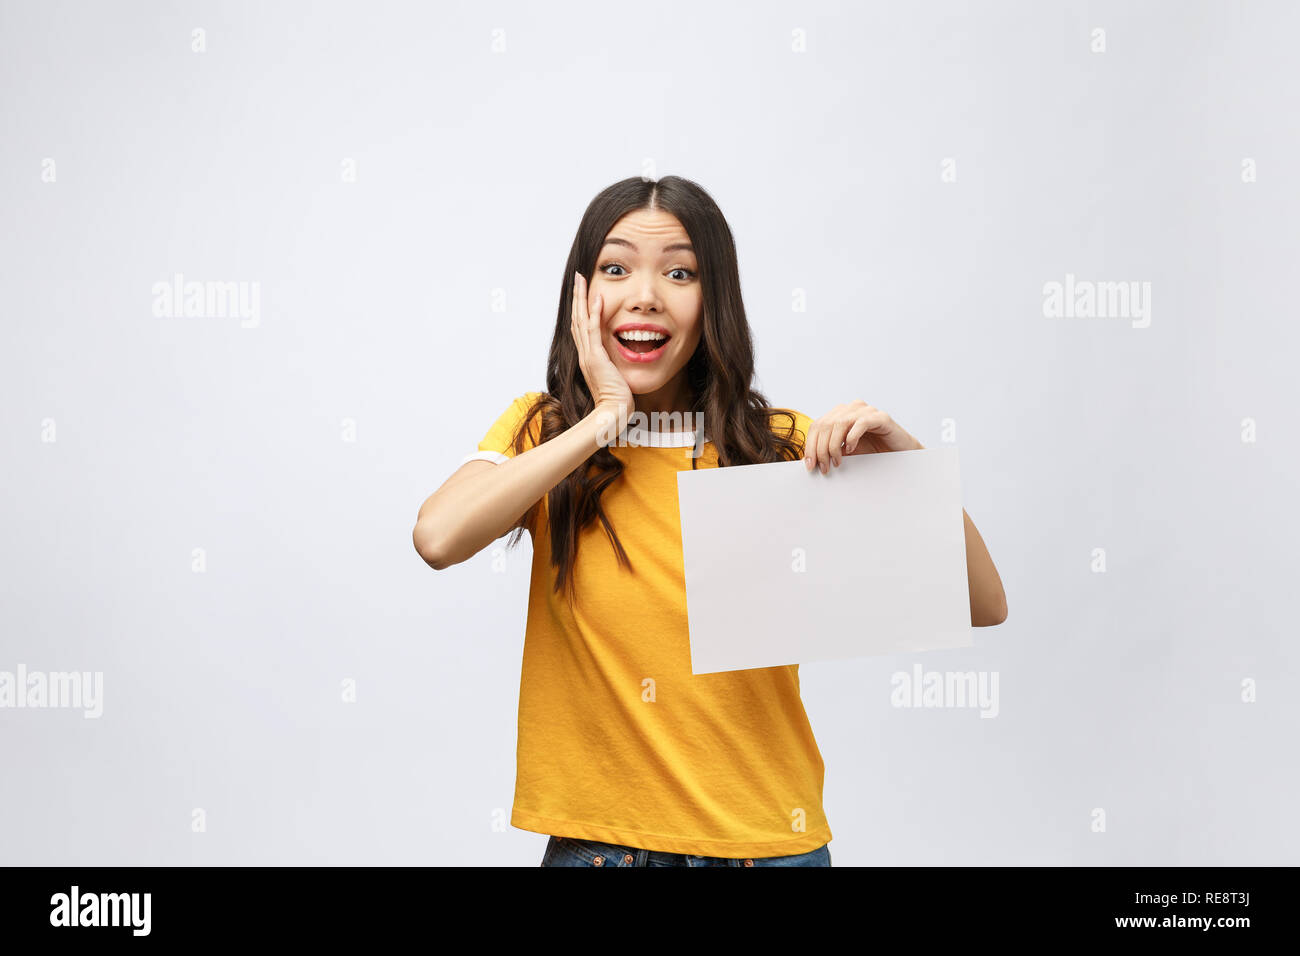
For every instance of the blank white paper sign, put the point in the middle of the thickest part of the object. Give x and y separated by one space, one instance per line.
784 566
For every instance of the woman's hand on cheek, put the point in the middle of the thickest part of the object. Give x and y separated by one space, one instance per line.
853 429
605 382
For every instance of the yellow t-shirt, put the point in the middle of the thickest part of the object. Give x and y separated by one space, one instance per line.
618 741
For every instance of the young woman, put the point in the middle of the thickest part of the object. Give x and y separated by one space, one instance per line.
624 757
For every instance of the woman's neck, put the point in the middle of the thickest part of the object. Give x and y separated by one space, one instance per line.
673 397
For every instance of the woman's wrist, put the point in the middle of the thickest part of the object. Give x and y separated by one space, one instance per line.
608 419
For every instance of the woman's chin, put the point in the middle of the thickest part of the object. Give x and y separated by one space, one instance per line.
644 384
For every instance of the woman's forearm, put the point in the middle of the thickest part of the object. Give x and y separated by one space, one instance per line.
469 512
988 601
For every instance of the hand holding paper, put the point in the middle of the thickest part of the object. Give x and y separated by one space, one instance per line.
854 429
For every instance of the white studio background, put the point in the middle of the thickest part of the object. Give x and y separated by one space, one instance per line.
215 513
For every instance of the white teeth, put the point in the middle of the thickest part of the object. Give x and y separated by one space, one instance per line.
640 335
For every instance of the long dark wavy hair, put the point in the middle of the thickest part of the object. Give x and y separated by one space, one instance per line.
719 372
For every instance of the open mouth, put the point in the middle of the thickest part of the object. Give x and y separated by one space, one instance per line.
639 345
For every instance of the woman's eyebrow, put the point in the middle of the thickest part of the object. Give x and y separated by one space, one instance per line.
673 247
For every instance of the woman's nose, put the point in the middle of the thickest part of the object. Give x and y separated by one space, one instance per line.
644 297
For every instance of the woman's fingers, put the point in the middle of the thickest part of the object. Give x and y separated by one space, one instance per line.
838 433
591 316
824 448
824 443
843 431
578 325
810 447
855 434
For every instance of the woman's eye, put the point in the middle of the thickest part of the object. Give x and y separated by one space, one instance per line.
615 265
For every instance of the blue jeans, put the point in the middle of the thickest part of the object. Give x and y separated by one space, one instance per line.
569 851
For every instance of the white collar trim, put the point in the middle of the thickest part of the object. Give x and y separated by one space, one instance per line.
636 435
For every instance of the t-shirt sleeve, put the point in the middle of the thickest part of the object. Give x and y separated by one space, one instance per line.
498 444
